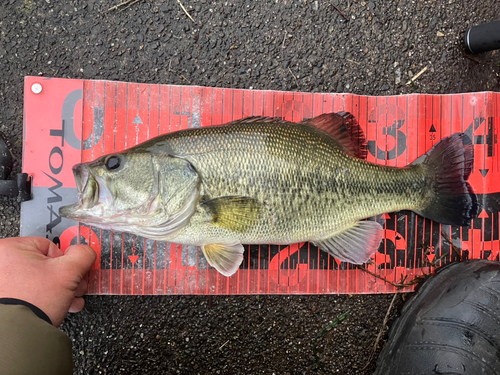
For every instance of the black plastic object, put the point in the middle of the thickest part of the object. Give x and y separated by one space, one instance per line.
483 38
451 326
5 160
19 188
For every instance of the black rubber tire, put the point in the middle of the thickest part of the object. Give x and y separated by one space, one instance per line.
450 326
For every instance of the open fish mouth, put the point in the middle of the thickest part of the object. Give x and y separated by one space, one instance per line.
88 193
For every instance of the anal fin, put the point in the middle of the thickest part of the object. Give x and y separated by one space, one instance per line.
225 258
356 244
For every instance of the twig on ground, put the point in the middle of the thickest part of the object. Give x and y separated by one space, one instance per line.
355 62
338 10
260 324
185 11
399 285
178 75
472 59
455 249
434 263
382 329
295 78
416 76
223 345
284 39
132 3
128 3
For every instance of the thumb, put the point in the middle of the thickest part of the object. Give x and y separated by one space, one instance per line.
79 259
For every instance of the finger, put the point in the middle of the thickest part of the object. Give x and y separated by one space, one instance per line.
77 305
82 288
79 259
54 251
38 244
45 246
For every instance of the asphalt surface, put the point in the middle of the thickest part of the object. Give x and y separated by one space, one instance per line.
375 49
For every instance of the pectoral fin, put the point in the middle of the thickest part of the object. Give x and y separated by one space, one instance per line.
237 214
356 244
225 258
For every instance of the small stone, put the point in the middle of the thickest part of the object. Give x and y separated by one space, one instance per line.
433 22
443 57
385 87
439 33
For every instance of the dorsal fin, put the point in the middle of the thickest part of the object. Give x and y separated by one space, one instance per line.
248 120
344 128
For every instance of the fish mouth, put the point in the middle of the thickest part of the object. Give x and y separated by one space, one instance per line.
88 194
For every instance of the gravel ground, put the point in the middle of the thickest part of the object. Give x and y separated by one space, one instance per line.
285 45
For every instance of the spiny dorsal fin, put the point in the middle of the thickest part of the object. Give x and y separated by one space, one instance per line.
344 128
253 119
233 213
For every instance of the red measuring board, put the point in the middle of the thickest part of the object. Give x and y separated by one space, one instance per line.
71 121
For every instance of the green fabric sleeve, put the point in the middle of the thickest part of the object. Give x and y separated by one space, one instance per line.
31 346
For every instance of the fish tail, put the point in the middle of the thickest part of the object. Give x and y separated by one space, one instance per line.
449 164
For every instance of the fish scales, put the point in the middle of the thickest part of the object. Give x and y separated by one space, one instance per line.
310 186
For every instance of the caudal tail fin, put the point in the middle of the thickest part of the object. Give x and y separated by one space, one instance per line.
449 164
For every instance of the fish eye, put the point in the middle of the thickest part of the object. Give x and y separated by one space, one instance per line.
113 162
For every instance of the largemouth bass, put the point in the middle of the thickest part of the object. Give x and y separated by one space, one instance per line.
262 180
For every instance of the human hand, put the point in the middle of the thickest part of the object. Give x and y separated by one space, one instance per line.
35 270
